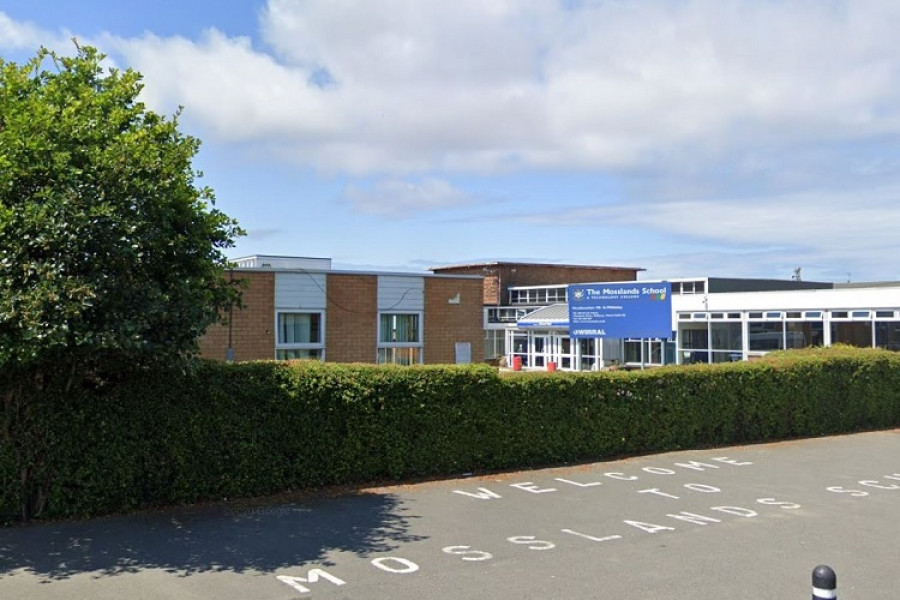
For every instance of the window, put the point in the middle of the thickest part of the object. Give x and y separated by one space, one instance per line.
852 333
399 356
726 337
644 351
399 338
803 334
299 335
694 342
689 287
494 343
887 335
399 329
763 337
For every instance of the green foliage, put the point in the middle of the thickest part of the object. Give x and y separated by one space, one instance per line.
172 433
107 249
105 242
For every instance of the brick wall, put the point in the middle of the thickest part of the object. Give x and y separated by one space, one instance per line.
498 278
252 328
446 323
351 318
552 275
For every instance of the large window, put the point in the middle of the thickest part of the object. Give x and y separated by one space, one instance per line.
766 336
802 334
543 295
299 336
853 334
494 343
400 338
727 342
519 348
587 351
887 334
644 351
694 342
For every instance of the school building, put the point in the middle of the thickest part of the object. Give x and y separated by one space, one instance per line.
302 308
517 313
715 320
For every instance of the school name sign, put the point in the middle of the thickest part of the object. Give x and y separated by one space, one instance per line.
620 310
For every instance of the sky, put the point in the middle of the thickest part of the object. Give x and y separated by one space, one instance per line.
731 138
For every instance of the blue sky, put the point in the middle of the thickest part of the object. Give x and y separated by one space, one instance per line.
687 137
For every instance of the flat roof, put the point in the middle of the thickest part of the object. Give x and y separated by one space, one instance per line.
351 272
530 264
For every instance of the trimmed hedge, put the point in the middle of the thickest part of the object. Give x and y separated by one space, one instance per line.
200 430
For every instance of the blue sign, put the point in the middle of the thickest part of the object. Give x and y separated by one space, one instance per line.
620 310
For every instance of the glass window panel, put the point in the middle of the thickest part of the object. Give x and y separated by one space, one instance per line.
755 315
399 356
839 314
727 336
887 335
723 357
693 335
763 337
399 328
299 328
804 334
884 314
633 351
494 343
656 352
794 315
861 314
298 353
852 333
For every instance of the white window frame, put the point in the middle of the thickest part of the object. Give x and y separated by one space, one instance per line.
419 344
283 346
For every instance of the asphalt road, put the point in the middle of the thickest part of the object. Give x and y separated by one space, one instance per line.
740 522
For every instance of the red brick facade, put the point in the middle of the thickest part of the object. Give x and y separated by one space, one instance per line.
252 328
499 277
351 318
448 322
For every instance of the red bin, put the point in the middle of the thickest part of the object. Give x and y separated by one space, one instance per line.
517 363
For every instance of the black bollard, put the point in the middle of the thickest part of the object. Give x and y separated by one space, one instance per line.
824 583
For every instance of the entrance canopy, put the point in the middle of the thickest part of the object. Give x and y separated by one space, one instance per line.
555 316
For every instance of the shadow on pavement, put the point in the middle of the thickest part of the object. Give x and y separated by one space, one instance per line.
217 538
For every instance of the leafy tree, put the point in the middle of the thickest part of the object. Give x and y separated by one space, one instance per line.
106 242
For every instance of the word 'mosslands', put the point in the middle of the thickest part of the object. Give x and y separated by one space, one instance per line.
634 291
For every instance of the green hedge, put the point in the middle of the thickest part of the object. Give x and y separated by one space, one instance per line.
197 431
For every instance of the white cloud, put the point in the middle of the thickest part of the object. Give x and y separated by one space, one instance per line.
408 86
826 231
401 198
240 94
15 35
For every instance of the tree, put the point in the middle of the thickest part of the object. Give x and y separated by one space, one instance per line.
106 243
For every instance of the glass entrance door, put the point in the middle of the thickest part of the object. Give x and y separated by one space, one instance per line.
542 350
